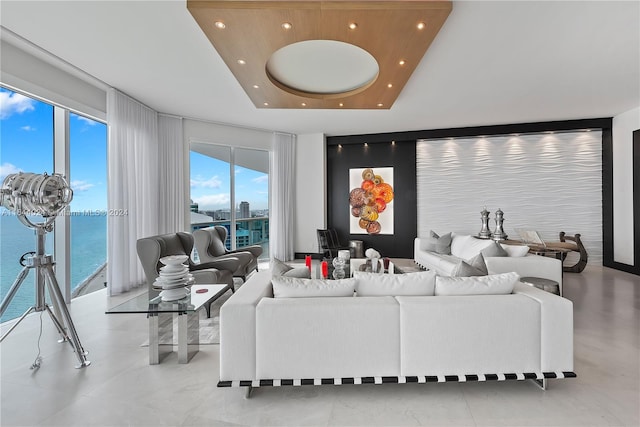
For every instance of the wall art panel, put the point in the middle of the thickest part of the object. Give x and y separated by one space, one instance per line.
548 182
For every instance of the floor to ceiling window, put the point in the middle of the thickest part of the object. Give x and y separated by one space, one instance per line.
26 129
30 141
88 179
230 187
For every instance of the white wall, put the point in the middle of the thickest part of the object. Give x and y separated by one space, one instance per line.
544 182
623 126
311 192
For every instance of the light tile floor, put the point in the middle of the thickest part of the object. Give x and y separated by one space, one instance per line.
120 388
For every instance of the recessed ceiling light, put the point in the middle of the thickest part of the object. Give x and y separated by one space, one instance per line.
390 85
339 145
421 25
366 145
266 104
341 105
353 26
256 87
287 25
220 25
380 104
304 104
241 61
401 62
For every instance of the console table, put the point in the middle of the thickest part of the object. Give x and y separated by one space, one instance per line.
163 314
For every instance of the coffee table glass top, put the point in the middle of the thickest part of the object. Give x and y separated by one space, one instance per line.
152 303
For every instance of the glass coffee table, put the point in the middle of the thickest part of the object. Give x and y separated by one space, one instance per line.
163 314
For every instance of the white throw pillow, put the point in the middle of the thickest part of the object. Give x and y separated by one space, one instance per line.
409 284
495 284
290 287
279 268
515 250
466 247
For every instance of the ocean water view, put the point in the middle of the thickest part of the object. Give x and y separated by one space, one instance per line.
88 254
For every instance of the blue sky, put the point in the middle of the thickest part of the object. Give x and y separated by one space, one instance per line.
26 132
210 184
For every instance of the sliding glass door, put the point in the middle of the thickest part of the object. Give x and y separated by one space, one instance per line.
230 187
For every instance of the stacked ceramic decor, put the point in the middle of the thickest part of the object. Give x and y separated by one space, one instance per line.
174 278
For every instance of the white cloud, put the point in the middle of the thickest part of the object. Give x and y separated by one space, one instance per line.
80 185
28 128
11 103
212 182
212 201
86 120
261 179
8 169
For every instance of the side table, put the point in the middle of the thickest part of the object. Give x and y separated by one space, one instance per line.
163 314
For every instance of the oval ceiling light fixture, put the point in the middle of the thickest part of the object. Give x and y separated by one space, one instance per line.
322 69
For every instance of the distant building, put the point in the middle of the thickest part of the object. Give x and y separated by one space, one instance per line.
193 206
244 210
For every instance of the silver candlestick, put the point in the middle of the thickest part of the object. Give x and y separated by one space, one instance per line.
484 233
499 234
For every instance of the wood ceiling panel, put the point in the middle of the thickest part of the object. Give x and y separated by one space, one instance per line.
386 29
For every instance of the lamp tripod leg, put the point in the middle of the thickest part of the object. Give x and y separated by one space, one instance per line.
7 300
59 305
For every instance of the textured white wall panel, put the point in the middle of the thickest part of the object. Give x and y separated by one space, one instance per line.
544 182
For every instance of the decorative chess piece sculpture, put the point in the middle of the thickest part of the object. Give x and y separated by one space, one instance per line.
499 234
484 233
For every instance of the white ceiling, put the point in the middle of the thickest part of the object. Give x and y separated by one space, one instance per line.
492 63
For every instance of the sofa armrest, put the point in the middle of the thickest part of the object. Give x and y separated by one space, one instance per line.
556 316
238 328
527 266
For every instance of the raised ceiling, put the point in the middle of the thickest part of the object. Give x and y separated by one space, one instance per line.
493 62
247 33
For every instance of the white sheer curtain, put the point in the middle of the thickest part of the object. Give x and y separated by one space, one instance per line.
171 169
282 191
133 194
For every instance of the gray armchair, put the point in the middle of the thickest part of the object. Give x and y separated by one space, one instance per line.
151 249
210 246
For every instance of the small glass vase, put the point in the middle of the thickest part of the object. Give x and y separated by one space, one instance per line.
338 271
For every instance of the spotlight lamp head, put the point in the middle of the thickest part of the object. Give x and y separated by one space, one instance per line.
35 194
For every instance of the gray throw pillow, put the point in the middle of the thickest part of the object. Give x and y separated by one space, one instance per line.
443 245
465 270
493 250
478 262
430 242
279 268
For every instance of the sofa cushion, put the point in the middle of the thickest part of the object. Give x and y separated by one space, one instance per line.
515 250
478 262
495 284
290 287
438 244
410 284
466 247
279 268
494 249
463 269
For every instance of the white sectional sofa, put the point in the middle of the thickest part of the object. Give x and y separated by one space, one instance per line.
464 247
429 337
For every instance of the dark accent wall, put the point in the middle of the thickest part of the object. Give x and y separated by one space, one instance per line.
403 159
400 155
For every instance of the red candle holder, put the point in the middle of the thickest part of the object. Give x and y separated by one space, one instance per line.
325 269
307 262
